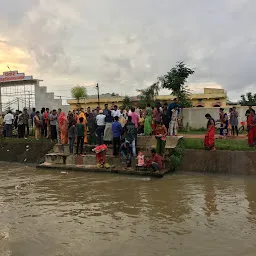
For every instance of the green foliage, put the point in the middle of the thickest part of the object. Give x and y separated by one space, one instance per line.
148 95
248 100
79 92
233 145
175 80
142 104
176 155
184 100
190 130
175 162
127 102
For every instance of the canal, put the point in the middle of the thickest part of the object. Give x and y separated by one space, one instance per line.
50 213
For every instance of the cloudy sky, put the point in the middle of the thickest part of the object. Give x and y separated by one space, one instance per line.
125 45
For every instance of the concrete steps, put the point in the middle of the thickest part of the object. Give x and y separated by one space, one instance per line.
61 159
61 156
57 158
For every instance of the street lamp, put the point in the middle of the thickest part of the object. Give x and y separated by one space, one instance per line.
98 92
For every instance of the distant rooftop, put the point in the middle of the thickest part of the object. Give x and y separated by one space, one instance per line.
103 95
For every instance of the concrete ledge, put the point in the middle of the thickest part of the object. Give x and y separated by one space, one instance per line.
222 161
95 169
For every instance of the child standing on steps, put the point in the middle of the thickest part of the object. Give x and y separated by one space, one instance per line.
80 135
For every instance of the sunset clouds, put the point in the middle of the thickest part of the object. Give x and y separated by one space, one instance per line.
125 45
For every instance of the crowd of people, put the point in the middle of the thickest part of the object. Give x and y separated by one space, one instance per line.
117 126
229 127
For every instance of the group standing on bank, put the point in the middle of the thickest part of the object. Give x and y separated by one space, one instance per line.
229 126
118 126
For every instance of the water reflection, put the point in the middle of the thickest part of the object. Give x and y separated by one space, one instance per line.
250 191
49 213
210 198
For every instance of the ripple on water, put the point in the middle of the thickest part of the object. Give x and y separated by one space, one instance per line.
47 213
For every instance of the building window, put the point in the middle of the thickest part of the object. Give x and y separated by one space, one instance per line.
217 99
200 100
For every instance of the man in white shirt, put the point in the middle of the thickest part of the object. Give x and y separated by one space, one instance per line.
115 112
8 121
100 120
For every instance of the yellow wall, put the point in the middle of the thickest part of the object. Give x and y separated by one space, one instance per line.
208 99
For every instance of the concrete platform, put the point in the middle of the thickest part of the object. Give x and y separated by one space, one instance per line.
88 159
144 143
61 159
95 169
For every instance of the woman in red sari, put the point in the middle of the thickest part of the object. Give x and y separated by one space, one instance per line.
251 127
209 136
63 123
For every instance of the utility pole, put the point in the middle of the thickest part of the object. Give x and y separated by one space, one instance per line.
18 99
98 92
1 103
29 100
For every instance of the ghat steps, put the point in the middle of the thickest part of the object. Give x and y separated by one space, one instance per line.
61 159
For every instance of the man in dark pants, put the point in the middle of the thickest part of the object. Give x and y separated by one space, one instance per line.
53 123
80 135
25 122
117 132
21 126
131 134
32 115
8 121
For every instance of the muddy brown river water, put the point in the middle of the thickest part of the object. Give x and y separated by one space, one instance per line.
49 213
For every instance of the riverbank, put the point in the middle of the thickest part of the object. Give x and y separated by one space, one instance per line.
219 161
231 157
24 151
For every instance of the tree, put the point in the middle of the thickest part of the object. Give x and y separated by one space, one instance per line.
148 95
175 80
79 92
248 100
127 102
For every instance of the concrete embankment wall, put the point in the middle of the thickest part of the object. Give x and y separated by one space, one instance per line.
21 152
222 162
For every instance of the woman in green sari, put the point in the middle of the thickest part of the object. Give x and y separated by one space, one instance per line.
148 121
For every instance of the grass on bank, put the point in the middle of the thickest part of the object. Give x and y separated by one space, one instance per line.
233 145
189 143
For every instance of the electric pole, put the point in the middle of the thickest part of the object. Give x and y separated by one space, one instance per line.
18 99
98 92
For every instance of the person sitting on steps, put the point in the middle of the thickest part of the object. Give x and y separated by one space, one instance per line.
155 162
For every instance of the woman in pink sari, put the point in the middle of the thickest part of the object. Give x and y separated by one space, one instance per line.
63 124
209 140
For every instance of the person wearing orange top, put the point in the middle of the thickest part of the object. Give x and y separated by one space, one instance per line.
63 125
82 114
